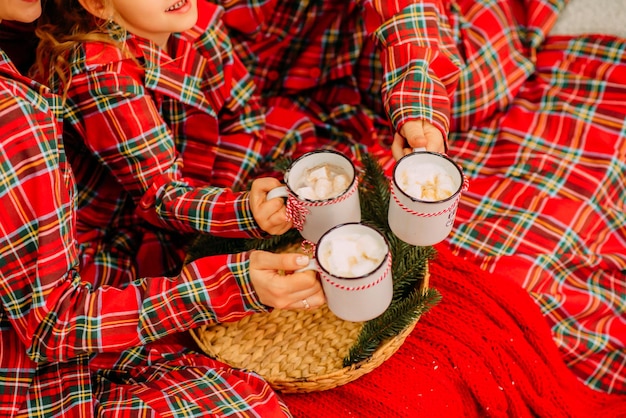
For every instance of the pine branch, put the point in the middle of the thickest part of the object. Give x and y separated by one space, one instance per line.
282 164
408 266
374 194
391 323
206 245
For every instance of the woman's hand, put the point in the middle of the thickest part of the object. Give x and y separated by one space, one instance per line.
417 134
273 278
270 215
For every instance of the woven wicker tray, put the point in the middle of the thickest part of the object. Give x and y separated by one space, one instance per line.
295 351
303 351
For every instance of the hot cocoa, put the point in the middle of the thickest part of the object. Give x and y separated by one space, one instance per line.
322 182
426 181
352 255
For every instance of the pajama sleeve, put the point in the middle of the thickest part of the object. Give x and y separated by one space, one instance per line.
420 59
72 318
55 313
120 124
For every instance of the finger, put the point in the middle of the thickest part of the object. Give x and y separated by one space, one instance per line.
436 142
271 215
278 228
414 133
287 290
277 223
307 301
273 207
423 134
397 146
265 184
298 285
260 188
265 260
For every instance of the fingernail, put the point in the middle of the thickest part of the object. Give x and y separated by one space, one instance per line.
302 260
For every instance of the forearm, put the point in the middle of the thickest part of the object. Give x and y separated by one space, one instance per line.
420 59
175 205
210 290
142 156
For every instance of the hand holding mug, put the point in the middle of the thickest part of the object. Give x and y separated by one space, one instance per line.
292 290
425 192
269 214
417 134
354 264
321 188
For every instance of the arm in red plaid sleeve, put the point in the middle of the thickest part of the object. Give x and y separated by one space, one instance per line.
56 315
76 319
228 86
120 124
420 59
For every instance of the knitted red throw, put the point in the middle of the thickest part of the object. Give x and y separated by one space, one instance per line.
485 350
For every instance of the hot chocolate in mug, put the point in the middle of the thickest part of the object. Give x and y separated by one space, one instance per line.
321 188
354 264
425 191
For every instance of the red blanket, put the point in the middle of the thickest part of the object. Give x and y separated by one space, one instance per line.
485 350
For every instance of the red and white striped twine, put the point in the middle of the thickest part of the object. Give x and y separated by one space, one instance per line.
365 286
455 202
296 211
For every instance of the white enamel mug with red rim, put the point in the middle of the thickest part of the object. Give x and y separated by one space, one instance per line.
314 217
424 222
358 298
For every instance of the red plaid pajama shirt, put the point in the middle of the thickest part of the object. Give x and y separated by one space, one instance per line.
526 118
68 349
159 146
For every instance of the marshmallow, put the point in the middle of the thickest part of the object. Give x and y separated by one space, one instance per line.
340 183
323 182
323 188
445 186
427 182
306 193
318 173
352 255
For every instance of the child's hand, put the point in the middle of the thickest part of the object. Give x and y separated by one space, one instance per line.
285 291
270 215
417 134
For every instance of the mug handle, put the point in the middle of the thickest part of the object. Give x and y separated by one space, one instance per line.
311 266
280 191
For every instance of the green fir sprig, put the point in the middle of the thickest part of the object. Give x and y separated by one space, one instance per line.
409 263
206 245
374 195
398 316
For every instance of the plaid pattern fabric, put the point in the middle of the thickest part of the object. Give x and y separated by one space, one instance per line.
69 349
547 199
278 42
146 135
537 126
52 323
317 59
420 59
179 383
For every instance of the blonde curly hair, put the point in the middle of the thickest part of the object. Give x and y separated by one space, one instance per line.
63 26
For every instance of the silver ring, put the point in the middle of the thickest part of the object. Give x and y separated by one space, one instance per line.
306 304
